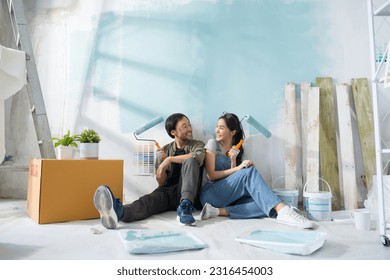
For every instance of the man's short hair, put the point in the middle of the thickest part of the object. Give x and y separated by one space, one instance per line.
171 122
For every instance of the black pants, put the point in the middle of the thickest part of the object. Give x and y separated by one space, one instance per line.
168 197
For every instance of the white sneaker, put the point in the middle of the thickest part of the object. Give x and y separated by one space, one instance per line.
208 212
288 216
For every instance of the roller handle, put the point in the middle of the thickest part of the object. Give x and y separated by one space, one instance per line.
238 146
240 143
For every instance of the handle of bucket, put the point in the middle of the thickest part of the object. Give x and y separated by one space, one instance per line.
289 177
319 178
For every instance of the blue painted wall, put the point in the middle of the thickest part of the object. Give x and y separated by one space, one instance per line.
204 57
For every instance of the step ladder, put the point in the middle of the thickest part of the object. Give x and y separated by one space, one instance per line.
16 36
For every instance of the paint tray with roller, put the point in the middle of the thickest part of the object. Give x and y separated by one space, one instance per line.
283 241
157 242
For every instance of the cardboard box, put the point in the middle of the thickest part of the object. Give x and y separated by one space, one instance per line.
62 190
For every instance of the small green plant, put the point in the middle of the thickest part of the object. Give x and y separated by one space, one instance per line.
88 136
66 140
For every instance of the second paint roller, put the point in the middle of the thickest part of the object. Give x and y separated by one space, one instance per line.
258 126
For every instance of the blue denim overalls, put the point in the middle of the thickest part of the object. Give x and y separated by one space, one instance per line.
244 194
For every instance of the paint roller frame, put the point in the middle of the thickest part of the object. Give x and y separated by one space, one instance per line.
155 121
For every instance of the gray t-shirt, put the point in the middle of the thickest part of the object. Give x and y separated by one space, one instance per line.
215 147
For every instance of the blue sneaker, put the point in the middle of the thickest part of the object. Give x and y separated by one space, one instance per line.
109 207
184 213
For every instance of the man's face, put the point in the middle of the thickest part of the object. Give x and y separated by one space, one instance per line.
183 130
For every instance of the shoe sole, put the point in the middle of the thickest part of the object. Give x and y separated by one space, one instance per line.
185 224
303 225
104 204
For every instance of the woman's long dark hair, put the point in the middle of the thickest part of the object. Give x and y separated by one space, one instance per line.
233 123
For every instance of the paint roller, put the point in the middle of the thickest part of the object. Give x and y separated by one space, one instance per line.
258 126
147 126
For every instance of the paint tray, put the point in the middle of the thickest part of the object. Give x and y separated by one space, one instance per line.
156 242
288 242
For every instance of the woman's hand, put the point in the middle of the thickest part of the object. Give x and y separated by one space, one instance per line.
246 163
233 152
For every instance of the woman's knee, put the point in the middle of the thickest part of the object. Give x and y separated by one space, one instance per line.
249 170
253 170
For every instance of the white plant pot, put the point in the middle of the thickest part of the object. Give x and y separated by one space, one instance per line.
89 150
65 152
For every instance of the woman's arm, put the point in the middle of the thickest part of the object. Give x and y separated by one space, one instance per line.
233 156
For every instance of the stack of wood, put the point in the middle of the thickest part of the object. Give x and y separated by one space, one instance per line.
327 137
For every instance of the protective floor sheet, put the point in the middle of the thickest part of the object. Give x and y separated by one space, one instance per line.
155 241
285 241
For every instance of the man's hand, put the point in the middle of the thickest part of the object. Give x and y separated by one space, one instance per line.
161 155
161 175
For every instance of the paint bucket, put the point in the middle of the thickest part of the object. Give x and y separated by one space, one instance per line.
288 197
317 205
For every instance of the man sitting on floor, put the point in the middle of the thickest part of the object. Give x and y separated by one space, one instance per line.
177 174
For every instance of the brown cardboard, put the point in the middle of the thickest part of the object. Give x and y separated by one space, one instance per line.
62 190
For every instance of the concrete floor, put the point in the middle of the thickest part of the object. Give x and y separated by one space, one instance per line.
23 239
86 250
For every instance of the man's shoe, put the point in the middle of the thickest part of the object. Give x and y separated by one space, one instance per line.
288 216
109 207
184 213
208 212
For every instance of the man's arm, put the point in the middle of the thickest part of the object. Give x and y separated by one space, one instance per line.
161 174
197 151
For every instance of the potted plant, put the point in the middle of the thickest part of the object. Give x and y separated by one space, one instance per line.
65 145
89 144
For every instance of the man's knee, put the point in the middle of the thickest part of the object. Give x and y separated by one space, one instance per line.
190 167
190 163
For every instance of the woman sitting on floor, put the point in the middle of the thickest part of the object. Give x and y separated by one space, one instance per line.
234 187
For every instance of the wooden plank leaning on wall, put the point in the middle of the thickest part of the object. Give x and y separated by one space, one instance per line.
365 121
305 88
313 139
328 141
290 136
347 155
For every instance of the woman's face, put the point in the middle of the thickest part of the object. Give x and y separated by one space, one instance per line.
222 132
